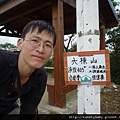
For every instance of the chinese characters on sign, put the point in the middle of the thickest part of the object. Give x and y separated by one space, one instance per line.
87 68
91 67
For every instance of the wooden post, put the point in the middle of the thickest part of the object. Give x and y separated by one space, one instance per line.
102 37
57 91
58 23
88 40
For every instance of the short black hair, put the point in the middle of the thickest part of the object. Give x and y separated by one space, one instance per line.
40 25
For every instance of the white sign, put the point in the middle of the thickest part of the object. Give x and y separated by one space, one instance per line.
90 67
87 68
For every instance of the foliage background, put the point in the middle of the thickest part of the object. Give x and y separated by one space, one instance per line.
113 45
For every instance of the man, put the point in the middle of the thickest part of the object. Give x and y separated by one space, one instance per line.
22 75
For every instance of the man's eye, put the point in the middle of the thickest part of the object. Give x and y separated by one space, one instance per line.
48 45
35 41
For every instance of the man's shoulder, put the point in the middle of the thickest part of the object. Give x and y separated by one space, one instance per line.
9 57
7 53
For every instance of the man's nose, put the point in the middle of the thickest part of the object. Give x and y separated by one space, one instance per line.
41 48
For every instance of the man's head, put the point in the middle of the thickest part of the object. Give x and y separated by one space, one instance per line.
41 26
36 44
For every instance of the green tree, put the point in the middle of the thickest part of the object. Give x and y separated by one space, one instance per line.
73 48
50 62
8 46
113 44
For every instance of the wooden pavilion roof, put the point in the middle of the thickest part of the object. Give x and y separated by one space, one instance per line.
15 14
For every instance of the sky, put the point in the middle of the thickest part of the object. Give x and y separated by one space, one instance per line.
13 40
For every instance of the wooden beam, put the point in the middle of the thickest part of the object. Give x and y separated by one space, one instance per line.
101 19
51 94
9 5
70 2
9 34
68 88
58 23
20 13
2 28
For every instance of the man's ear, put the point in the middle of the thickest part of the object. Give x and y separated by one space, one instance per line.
19 43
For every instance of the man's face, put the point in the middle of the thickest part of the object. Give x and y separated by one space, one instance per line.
33 55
